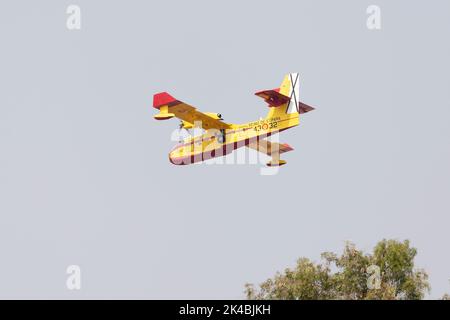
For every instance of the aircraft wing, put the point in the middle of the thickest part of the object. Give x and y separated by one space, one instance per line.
269 148
190 114
170 107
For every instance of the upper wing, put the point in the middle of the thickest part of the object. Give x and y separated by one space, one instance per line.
273 97
190 114
270 148
170 107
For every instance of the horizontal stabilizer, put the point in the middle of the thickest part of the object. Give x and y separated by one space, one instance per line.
273 97
270 148
304 108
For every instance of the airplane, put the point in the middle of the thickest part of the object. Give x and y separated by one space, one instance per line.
219 138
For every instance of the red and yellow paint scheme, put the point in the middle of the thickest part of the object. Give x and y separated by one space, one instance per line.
219 138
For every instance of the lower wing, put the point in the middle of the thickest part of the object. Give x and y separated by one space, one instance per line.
270 148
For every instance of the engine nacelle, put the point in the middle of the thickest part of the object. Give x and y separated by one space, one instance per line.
188 125
214 115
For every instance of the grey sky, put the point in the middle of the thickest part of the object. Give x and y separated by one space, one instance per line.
84 173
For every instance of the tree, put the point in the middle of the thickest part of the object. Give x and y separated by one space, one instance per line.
387 273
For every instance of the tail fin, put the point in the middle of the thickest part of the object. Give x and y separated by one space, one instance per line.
285 99
290 87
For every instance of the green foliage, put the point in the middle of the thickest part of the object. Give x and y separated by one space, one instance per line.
399 280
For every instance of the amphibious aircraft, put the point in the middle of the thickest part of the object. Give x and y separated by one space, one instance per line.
218 138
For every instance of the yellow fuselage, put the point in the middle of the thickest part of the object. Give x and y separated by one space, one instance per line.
215 143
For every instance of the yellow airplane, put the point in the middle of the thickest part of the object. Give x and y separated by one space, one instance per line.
219 138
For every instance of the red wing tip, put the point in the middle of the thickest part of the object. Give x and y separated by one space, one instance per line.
287 147
162 98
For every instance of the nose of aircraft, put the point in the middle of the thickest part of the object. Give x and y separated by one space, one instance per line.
176 156
173 160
